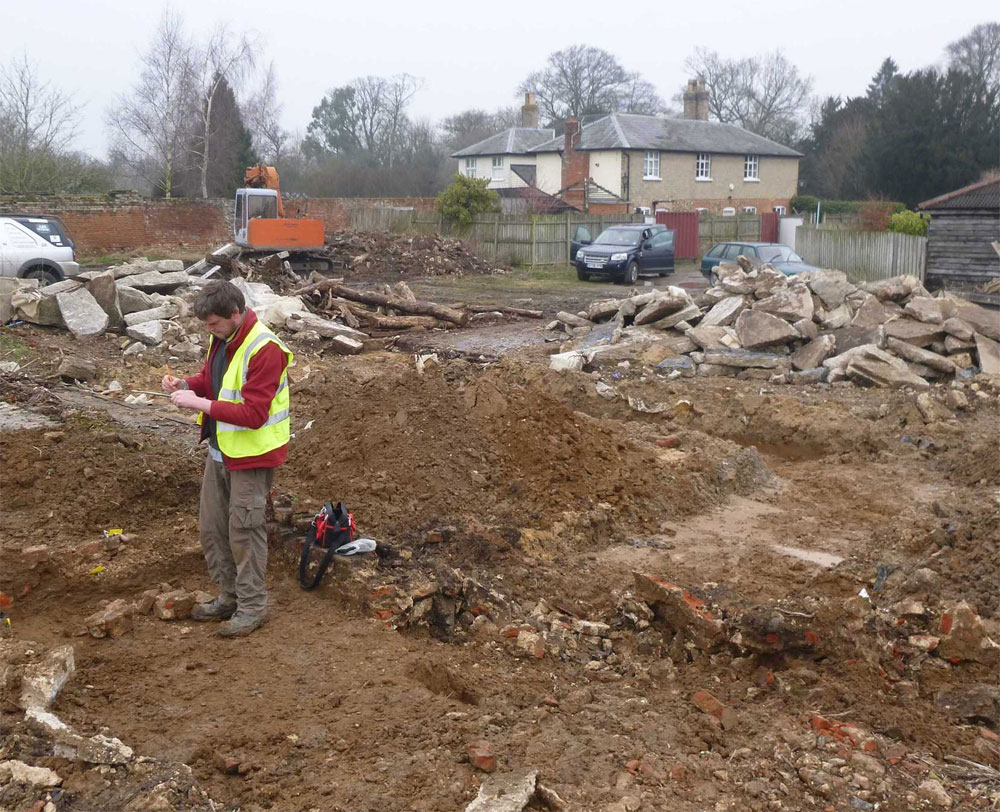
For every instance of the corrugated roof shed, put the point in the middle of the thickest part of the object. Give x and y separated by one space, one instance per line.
984 194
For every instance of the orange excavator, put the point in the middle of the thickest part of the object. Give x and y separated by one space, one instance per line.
260 223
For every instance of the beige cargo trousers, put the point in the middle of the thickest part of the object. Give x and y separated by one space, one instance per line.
233 533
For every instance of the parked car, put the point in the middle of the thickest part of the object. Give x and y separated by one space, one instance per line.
36 247
780 256
624 252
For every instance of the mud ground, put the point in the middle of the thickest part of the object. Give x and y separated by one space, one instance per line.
529 483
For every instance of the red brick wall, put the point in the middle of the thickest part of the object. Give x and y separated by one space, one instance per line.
103 224
762 204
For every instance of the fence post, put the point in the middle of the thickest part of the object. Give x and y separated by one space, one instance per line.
569 238
496 236
532 233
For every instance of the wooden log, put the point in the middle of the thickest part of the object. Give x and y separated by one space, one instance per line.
573 320
402 290
419 308
376 321
509 311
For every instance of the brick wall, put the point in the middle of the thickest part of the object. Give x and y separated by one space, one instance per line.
104 224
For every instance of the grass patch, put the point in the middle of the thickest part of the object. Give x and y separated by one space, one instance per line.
188 255
12 347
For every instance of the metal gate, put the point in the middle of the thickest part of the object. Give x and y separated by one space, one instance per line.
685 226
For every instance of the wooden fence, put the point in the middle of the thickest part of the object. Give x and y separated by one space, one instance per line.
863 255
716 228
516 239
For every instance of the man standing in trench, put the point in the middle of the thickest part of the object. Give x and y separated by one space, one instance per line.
242 396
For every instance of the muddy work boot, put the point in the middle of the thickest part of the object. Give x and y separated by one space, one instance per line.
242 624
213 610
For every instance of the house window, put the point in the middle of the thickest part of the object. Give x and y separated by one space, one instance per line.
751 167
703 170
750 209
470 167
729 211
781 211
651 166
497 167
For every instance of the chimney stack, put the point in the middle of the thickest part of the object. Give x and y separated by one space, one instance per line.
696 100
529 112
575 165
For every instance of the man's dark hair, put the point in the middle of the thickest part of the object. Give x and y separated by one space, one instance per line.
219 298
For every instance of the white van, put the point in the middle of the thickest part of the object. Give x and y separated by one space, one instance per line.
36 247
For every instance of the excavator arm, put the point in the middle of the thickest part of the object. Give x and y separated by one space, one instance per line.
260 176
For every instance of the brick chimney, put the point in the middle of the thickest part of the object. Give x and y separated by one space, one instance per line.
696 100
575 165
529 112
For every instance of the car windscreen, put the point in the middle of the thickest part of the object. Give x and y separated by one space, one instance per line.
778 253
618 236
49 230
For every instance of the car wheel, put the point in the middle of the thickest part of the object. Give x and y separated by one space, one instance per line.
583 276
42 274
631 273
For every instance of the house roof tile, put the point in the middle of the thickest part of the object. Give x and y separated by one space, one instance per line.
633 131
515 141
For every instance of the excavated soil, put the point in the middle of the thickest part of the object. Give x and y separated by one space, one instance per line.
528 482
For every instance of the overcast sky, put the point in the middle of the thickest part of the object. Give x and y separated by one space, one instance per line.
472 55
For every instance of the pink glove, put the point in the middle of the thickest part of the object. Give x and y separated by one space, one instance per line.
186 399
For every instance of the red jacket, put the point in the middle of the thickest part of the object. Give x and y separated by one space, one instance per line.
263 377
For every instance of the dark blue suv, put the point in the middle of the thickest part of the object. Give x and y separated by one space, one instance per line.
624 252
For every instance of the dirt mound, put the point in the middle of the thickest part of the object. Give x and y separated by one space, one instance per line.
409 452
381 255
77 480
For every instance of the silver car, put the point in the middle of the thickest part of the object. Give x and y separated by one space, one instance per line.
36 247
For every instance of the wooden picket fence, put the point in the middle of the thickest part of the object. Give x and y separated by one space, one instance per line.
515 239
863 255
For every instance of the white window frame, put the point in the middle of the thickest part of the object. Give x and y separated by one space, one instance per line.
470 168
781 211
703 167
751 168
729 211
651 165
749 209
497 170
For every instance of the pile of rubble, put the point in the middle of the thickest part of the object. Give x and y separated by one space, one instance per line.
141 300
816 327
382 255
45 763
149 304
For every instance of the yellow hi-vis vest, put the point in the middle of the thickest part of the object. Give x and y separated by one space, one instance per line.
240 441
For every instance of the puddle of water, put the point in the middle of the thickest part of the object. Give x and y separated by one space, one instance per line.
14 417
825 560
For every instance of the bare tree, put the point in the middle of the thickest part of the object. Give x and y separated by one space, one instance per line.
225 59
399 92
151 123
583 79
262 112
978 53
37 124
763 94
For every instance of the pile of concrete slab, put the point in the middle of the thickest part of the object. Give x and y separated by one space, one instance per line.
815 327
148 303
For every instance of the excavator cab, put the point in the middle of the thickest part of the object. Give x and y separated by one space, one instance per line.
260 223
252 204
